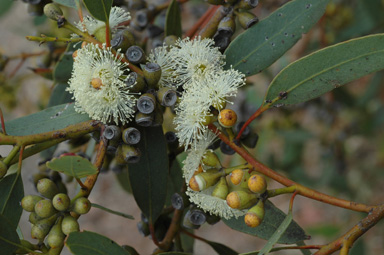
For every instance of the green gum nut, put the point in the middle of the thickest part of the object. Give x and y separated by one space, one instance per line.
241 199
3 169
56 236
81 205
44 209
152 74
34 218
135 82
123 40
127 154
247 4
221 190
210 159
146 103
53 11
28 202
167 96
227 25
135 55
61 202
42 227
205 179
101 33
144 120
131 136
247 19
69 225
47 188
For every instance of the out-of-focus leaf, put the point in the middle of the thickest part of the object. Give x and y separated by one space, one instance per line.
271 222
85 243
221 249
68 3
327 69
262 44
5 5
99 9
50 119
8 236
187 241
149 176
63 69
123 179
11 193
173 20
59 95
175 253
75 166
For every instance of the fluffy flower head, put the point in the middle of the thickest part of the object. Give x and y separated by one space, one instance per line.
117 16
98 86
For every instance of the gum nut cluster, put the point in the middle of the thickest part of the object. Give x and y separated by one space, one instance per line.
52 214
196 66
98 85
226 193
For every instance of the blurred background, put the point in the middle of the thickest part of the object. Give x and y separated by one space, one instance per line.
334 143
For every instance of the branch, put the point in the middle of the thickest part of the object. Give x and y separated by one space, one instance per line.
210 29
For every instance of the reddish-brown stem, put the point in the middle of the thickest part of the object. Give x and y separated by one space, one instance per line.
172 230
154 238
193 236
191 32
210 29
2 122
20 158
302 190
292 199
107 34
19 65
254 116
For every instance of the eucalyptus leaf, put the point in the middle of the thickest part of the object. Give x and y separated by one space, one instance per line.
63 68
99 9
68 3
149 176
75 166
11 193
221 249
271 222
327 69
175 253
262 44
85 243
173 20
5 6
8 236
50 119
123 179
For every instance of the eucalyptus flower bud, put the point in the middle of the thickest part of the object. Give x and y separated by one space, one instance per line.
135 55
61 202
143 119
221 190
56 236
28 202
135 82
53 11
210 159
257 183
152 74
47 188
247 19
247 4
241 199
81 205
206 179
34 218
112 132
44 208
255 215
227 118
240 177
146 103
131 136
166 96
41 228
69 225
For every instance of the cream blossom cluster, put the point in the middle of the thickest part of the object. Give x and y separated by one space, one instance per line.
98 85
204 199
117 15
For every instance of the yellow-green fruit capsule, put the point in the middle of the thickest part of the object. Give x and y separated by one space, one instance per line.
42 227
3 169
69 225
227 118
255 215
56 236
152 74
28 202
240 177
241 199
206 179
82 205
47 188
210 158
247 19
33 218
100 34
61 202
53 11
44 209
257 183
221 190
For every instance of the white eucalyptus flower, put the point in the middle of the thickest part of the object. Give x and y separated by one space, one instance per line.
193 59
116 16
162 57
98 85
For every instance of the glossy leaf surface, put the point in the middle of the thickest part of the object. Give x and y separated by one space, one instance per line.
11 193
8 236
75 166
99 9
173 20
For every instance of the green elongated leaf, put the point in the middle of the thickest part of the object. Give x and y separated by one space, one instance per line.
149 176
175 253
271 222
5 5
277 235
123 179
113 212
50 119
75 166
11 193
99 9
221 249
173 20
8 236
63 68
68 3
85 243
262 44
326 69
187 242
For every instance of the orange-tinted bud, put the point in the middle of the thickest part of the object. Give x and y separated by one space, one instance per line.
227 118
96 83
241 199
257 183
255 215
